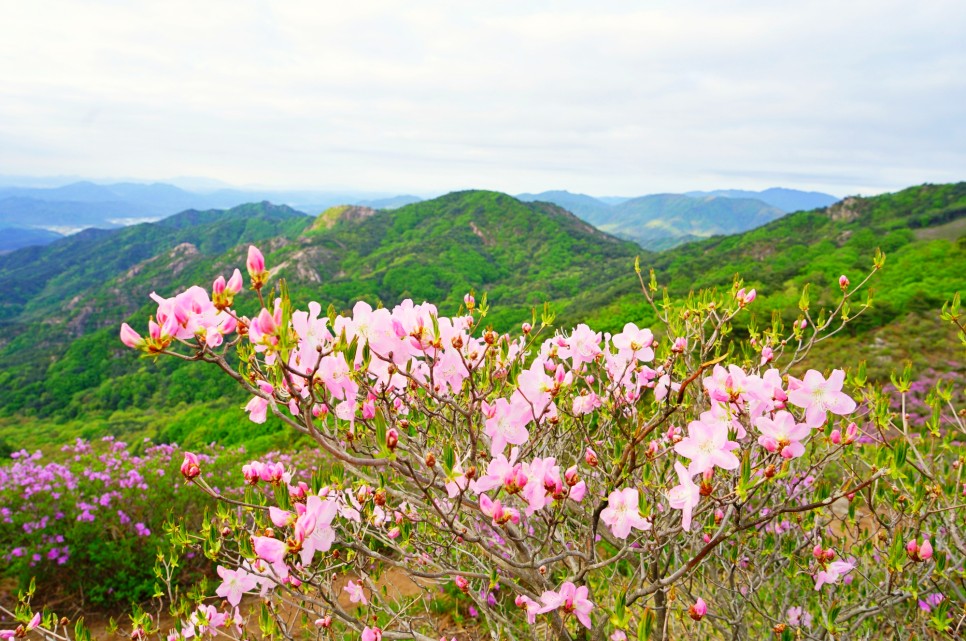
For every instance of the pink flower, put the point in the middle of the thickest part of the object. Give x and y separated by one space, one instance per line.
844 282
507 424
623 514
707 446
462 583
371 634
313 529
684 496
496 511
531 607
635 342
570 599
782 434
817 396
590 456
357 595
235 584
832 573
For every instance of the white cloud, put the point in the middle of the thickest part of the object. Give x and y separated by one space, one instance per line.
608 98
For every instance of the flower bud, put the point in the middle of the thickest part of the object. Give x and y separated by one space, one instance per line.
190 467
469 301
462 584
571 477
680 344
430 459
843 282
325 622
925 550
256 267
698 610
379 498
527 328
836 437
392 439
130 337
590 456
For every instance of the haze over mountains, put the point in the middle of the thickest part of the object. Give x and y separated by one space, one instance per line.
36 215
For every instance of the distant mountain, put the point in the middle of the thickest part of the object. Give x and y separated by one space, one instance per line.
785 199
586 207
17 237
663 221
70 208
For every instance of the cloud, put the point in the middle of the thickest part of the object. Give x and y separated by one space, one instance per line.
606 98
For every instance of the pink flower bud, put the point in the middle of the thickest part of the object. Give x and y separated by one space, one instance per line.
925 550
698 610
394 533
803 324
392 439
836 437
850 433
750 296
570 476
256 267
767 355
469 301
590 456
130 338
527 328
462 583
218 287
234 286
325 622
818 552
190 467
680 344
912 549
844 282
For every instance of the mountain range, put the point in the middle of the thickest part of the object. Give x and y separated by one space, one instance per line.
661 221
654 222
64 372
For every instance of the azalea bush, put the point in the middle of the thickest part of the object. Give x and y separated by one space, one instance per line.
88 521
674 482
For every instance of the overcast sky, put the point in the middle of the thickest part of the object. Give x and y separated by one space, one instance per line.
601 97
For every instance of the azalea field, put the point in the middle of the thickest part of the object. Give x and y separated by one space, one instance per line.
696 479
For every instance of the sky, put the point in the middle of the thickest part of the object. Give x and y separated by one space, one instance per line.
605 97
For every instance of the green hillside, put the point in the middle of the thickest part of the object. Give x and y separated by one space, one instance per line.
65 373
921 230
60 357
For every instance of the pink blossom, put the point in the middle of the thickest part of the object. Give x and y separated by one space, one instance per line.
531 607
235 584
782 434
832 573
356 593
636 342
707 446
371 634
507 424
570 599
623 514
684 496
817 396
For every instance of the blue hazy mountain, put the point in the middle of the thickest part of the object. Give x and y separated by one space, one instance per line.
785 199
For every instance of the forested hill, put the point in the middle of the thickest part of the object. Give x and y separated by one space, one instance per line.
63 303
61 360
